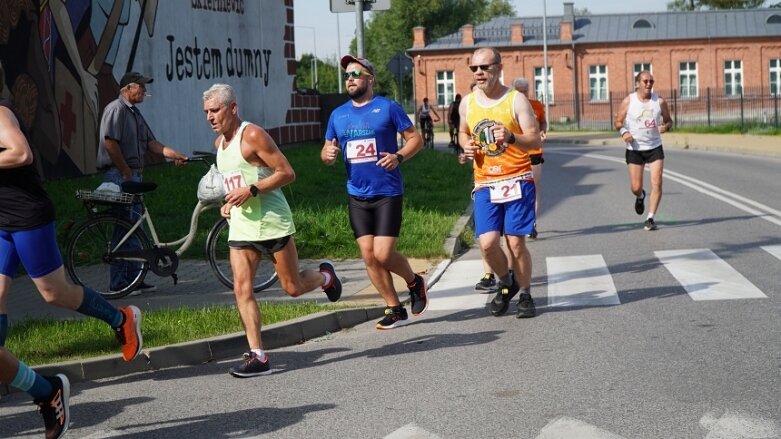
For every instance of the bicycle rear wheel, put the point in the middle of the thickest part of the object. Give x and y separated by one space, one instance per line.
218 255
91 263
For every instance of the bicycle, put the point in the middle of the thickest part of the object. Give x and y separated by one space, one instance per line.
428 132
107 243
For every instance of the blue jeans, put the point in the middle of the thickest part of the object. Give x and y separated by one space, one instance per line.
123 272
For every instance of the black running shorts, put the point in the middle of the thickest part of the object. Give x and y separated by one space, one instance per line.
378 216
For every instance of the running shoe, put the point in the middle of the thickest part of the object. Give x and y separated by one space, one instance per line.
334 288
393 318
640 204
486 284
526 307
142 288
501 301
251 366
129 334
418 296
55 409
650 224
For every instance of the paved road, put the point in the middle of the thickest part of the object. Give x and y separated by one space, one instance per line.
641 334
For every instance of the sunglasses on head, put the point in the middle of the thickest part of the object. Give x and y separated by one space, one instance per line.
483 67
355 74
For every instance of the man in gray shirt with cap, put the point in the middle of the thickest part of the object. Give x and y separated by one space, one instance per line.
125 138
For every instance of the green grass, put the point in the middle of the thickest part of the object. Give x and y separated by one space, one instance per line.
50 341
437 191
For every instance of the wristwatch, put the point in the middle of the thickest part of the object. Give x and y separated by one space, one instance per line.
399 157
254 190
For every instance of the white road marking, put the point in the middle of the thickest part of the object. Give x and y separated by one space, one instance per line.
774 250
734 425
705 276
565 428
575 281
411 431
456 291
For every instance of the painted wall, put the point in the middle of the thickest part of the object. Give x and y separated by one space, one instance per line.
62 64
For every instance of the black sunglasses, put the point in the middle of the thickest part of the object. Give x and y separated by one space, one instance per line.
355 74
483 67
647 81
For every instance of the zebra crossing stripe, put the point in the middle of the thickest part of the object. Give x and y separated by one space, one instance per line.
455 290
705 276
580 281
774 250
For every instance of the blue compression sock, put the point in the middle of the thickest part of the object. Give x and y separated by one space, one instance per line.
94 305
28 381
3 328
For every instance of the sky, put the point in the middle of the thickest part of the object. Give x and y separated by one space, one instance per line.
316 25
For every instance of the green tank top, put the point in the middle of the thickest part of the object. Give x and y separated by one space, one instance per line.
260 218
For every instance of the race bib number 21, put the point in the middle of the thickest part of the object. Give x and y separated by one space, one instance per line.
361 151
506 191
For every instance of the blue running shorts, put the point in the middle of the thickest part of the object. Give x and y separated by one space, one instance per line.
35 248
511 218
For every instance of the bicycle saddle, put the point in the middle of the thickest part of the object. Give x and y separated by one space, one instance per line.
135 187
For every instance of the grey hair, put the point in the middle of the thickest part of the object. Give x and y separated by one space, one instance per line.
521 82
494 52
222 92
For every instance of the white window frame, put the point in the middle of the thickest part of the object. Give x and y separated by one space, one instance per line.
539 86
445 87
597 82
688 79
639 67
733 77
774 75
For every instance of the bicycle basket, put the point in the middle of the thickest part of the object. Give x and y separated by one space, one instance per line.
105 196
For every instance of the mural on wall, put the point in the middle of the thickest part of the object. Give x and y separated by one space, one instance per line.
61 63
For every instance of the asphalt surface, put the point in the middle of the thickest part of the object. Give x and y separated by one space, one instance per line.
197 286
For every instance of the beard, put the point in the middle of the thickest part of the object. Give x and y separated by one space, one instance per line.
358 92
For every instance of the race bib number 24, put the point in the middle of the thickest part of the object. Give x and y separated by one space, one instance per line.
361 151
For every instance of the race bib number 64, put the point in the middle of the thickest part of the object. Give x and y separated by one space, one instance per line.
506 191
361 151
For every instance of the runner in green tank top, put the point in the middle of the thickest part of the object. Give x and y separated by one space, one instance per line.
254 171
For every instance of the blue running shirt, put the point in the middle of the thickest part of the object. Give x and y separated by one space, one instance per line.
363 133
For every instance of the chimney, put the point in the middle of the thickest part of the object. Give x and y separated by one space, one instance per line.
418 36
516 33
567 22
468 35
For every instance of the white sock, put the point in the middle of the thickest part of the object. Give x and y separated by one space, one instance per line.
650 215
327 277
260 353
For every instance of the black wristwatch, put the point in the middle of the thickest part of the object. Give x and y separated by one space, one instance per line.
399 157
254 190
511 140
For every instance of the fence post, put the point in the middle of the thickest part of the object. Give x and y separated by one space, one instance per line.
775 108
675 108
742 126
610 99
709 103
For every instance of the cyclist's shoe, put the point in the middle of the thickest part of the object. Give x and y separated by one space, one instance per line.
487 284
650 224
55 408
526 307
334 288
394 317
640 204
142 288
418 295
251 366
501 301
129 334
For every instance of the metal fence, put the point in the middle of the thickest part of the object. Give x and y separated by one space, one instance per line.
755 108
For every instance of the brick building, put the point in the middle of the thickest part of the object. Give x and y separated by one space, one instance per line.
698 59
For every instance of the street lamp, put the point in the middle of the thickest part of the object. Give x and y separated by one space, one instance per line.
315 78
545 58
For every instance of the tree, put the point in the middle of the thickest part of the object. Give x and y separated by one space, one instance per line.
695 5
327 74
390 31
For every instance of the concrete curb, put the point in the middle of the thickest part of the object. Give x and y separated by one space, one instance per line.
278 335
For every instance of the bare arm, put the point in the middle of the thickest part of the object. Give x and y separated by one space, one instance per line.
667 121
15 152
330 151
259 149
412 144
167 152
530 137
115 154
619 122
465 139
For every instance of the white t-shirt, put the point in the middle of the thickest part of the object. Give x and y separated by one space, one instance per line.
643 120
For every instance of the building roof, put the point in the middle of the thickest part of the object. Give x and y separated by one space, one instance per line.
617 28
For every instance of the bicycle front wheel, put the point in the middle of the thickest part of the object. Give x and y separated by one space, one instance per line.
92 258
218 254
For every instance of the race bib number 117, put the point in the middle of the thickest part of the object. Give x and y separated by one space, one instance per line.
361 151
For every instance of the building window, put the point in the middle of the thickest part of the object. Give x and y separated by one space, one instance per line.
539 84
688 79
640 67
733 78
642 24
597 82
775 77
445 85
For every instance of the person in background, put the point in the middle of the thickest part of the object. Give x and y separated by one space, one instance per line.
641 120
454 119
364 131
